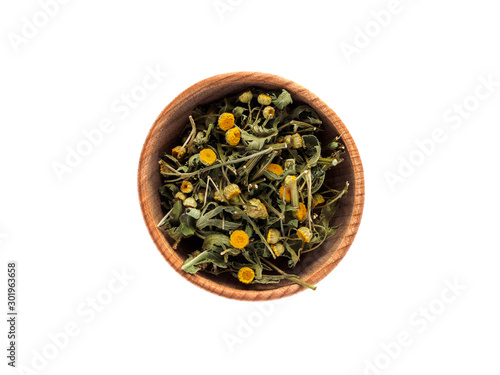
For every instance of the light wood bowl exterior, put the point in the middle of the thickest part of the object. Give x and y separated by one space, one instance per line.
164 135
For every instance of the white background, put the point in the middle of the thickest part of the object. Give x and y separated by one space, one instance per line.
70 237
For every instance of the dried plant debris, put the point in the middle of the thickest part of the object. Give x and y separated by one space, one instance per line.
247 178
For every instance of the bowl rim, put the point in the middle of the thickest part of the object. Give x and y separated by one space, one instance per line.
240 294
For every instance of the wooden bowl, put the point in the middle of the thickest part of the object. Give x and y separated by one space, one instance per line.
164 135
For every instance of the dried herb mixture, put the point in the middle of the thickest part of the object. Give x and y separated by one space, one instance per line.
247 178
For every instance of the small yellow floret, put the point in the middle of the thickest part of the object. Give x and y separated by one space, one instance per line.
233 136
268 112
190 202
256 209
186 187
302 212
226 121
296 141
275 168
201 196
239 239
180 196
231 191
273 236
246 275
304 233
246 97
290 179
218 196
287 192
318 199
178 152
278 249
264 99
208 156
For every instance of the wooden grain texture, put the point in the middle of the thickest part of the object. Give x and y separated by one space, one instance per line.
163 136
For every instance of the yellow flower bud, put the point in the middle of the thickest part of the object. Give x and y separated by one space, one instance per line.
256 209
302 212
275 168
226 121
286 192
190 202
246 275
304 233
231 191
296 141
180 196
207 156
178 152
239 239
246 97
289 179
278 249
201 196
268 112
218 196
264 99
318 199
233 136
273 236
186 187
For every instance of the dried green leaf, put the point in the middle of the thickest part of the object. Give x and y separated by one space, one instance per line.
205 257
188 225
290 253
253 142
216 242
283 99
169 191
314 121
313 149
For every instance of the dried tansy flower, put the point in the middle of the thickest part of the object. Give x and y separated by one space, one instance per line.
231 191
290 179
239 239
285 190
247 180
264 99
268 112
207 156
285 194
201 196
275 168
318 199
190 202
256 209
302 212
296 141
246 97
304 233
218 196
226 121
178 152
180 196
273 236
233 136
186 187
246 275
278 249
